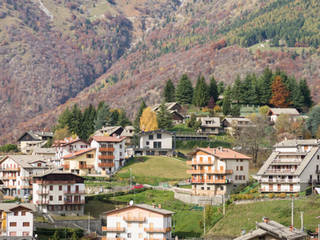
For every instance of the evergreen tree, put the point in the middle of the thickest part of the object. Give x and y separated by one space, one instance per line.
114 117
211 103
235 111
265 86
305 91
102 115
313 122
137 120
297 98
213 89
55 236
226 105
237 90
193 123
74 236
164 117
89 116
169 92
184 90
220 88
76 121
64 119
201 93
254 91
123 120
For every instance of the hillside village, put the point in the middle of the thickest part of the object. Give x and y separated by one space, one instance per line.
179 170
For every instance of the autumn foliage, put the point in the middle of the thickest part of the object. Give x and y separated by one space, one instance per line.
280 93
148 120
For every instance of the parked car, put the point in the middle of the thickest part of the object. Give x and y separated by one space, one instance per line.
139 186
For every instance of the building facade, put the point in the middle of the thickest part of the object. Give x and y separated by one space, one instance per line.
16 220
59 192
292 166
33 139
210 125
216 171
138 221
16 172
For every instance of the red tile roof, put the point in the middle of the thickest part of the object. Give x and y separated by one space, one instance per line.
75 154
223 153
108 139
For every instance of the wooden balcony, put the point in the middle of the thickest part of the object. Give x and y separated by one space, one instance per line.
11 178
26 186
196 171
220 172
10 169
134 219
106 164
106 149
157 230
211 181
151 238
112 229
200 163
106 157
85 166
197 181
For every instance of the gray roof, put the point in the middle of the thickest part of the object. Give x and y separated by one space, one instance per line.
146 207
215 120
8 206
169 106
37 135
288 111
230 120
275 229
44 151
126 132
267 163
53 171
25 161
297 142
106 130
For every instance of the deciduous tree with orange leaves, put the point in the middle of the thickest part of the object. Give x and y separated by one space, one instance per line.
280 93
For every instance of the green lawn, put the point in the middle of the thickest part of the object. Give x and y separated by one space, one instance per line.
154 169
244 216
187 220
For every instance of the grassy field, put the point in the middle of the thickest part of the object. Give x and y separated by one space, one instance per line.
187 220
240 217
154 169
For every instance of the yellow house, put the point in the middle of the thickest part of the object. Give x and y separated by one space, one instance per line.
81 162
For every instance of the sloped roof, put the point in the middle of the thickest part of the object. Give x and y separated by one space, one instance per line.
169 106
25 161
215 120
297 142
145 207
55 171
156 131
126 132
223 153
288 111
230 120
7 207
44 151
67 141
79 153
110 130
108 139
36 135
265 166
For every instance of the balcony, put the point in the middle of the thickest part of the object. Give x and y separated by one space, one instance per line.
196 171
218 181
10 177
42 202
134 219
26 186
14 169
74 192
266 180
43 192
9 186
151 238
112 229
157 230
197 181
69 202
277 190
25 178
221 172
281 171
85 166
106 157
106 165
106 149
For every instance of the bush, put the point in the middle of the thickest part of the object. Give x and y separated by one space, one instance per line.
271 195
282 195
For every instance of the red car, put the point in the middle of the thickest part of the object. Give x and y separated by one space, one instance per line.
139 186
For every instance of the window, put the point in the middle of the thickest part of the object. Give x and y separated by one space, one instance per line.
16 213
51 188
236 177
89 155
26 224
208 188
150 137
25 233
237 168
243 177
23 213
156 144
39 164
241 168
13 234
129 235
202 188
147 143
221 188
13 224
158 135
60 198
60 187
120 146
51 198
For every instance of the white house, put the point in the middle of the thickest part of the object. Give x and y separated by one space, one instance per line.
33 139
110 153
210 125
138 221
158 142
274 113
59 193
16 220
16 172
292 166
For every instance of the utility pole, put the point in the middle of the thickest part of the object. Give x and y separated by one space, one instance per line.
292 206
301 221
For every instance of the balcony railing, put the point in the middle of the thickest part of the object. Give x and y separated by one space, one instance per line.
222 172
43 192
134 219
111 164
212 181
42 202
10 177
196 171
74 192
85 166
74 202
25 177
26 186
106 149
15 169
157 230
112 229
277 190
151 238
106 157
264 180
280 171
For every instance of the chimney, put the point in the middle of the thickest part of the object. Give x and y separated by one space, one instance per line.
159 205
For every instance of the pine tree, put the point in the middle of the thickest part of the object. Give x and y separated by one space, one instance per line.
237 90
148 120
102 115
213 89
201 93
164 117
305 91
64 119
211 103
89 116
123 120
74 236
313 122
265 86
114 117
280 93
184 90
76 121
220 88
169 92
137 120
226 105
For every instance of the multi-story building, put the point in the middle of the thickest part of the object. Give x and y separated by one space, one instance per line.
274 113
81 162
292 166
67 146
110 153
33 139
209 125
216 171
59 192
16 220
16 172
138 221
158 142
232 125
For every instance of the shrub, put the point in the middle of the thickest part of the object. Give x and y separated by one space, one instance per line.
282 195
271 195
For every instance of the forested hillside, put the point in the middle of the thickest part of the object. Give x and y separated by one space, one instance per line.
118 51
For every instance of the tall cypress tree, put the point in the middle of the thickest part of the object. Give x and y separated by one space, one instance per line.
184 90
201 93
164 117
169 92
213 89
226 105
123 119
